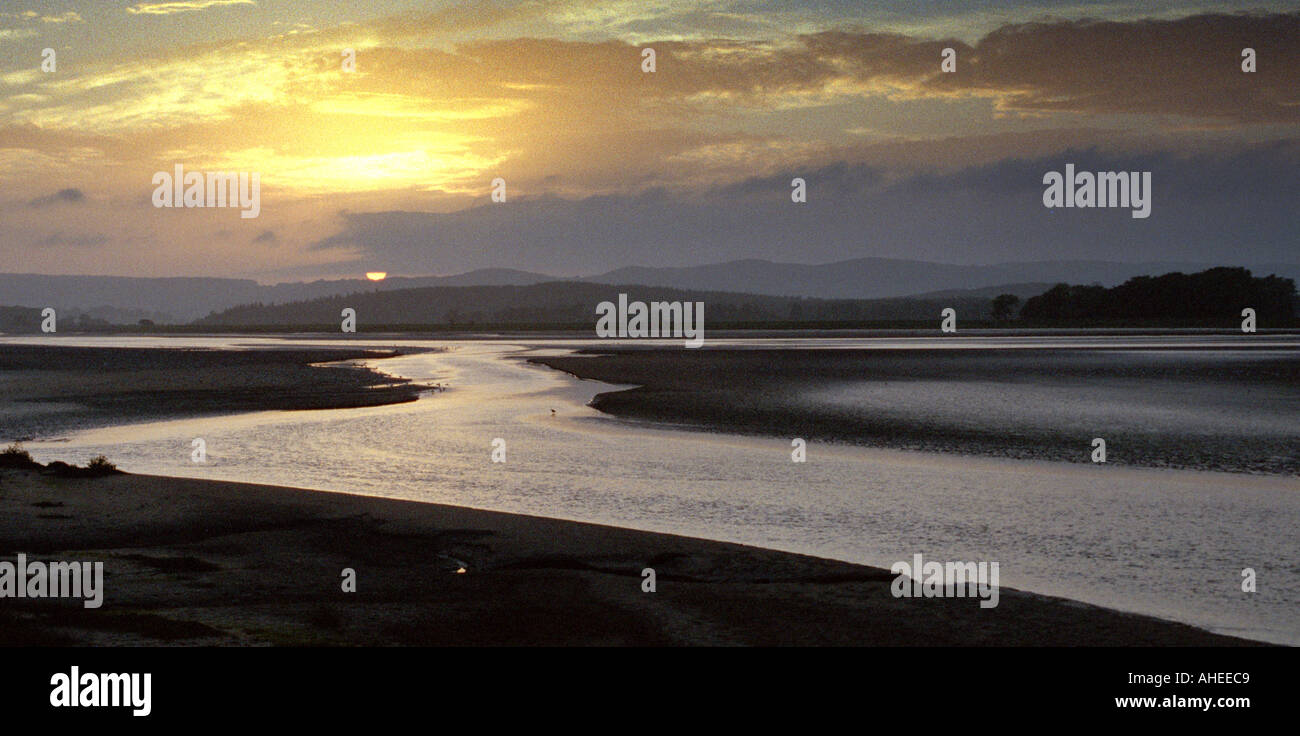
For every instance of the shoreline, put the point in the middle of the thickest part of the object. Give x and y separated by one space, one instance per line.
916 399
199 562
49 390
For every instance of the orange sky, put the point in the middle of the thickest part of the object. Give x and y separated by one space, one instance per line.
551 97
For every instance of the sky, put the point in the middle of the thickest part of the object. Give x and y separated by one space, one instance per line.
390 166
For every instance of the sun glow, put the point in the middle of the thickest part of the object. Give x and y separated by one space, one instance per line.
376 275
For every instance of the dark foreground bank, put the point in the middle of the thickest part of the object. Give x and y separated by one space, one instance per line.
211 563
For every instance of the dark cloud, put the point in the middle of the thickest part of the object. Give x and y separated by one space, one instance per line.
266 236
1190 66
63 196
1265 174
1221 207
837 180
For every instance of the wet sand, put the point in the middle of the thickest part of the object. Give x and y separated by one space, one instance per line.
194 562
49 390
1226 409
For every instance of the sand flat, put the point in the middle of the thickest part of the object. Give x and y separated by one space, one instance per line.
195 562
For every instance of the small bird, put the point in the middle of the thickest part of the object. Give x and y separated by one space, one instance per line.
552 412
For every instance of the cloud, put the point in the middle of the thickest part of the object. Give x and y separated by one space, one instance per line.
837 180
63 196
13 34
1154 67
60 240
1189 66
581 116
692 163
1233 207
182 6
266 236
70 16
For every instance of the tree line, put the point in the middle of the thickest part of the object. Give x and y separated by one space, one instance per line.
1212 297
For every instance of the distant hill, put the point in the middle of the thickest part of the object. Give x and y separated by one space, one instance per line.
1024 291
1214 297
874 278
290 291
125 300
20 319
574 303
180 299
28 320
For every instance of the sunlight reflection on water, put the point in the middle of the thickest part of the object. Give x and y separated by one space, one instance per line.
1166 543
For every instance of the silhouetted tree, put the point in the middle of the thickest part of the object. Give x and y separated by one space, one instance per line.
1004 306
1214 296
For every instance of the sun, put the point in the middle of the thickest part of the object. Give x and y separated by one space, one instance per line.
376 275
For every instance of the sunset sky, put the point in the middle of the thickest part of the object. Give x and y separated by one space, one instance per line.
389 168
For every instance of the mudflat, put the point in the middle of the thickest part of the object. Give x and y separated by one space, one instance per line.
1225 410
196 562
48 390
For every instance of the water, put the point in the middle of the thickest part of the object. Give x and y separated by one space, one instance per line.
1161 542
